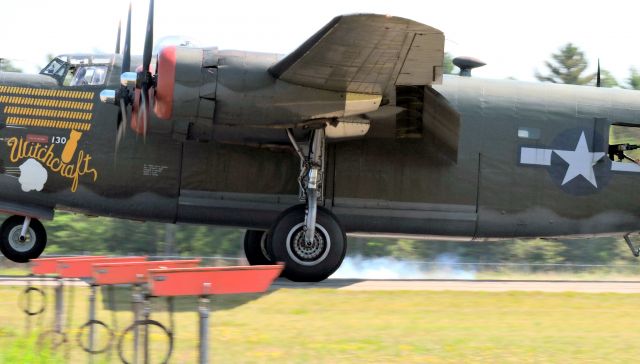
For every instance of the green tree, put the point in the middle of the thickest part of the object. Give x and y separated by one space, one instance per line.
607 79
537 251
75 234
447 65
7 66
633 81
567 66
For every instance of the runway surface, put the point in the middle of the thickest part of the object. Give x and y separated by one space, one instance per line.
470 285
415 285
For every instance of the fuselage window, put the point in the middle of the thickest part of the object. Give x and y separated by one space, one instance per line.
89 75
624 143
528 133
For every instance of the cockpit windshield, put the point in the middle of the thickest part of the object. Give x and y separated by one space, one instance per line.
78 70
57 68
89 75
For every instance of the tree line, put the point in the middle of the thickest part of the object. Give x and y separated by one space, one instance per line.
71 233
569 65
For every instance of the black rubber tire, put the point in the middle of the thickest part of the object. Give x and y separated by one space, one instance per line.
292 221
255 247
22 256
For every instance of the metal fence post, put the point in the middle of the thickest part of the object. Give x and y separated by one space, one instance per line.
137 301
59 310
92 317
203 311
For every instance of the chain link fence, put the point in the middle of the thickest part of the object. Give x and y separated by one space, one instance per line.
442 268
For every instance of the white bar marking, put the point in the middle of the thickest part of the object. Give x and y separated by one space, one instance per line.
625 167
536 156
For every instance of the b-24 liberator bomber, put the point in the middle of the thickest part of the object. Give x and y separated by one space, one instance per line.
356 131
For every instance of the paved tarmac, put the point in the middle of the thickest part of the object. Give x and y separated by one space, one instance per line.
414 285
469 285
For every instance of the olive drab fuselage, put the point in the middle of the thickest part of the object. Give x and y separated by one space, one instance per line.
517 166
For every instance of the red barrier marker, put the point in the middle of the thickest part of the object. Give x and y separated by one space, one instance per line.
42 266
208 281
212 280
81 268
133 273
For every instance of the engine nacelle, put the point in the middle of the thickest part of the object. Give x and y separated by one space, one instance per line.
186 84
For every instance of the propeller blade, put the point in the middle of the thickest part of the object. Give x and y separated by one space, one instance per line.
118 37
122 124
125 117
146 63
148 41
144 108
598 83
119 136
126 58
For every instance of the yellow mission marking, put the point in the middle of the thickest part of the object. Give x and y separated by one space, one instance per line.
42 123
29 91
63 114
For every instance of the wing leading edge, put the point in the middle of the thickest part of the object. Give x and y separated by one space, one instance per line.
366 53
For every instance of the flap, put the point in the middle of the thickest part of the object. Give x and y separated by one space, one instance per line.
366 53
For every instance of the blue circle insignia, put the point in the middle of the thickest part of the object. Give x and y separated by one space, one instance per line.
579 161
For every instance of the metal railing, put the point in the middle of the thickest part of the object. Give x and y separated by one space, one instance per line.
390 268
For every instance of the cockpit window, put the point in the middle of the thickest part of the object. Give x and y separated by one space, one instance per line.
56 68
89 75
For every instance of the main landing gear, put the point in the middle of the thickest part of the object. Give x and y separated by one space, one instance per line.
22 238
255 248
308 238
307 260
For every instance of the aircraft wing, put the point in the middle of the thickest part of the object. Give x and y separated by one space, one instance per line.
366 53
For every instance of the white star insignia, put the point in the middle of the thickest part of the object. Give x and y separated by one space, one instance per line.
581 162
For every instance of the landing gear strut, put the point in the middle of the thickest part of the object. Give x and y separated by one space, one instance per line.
634 250
25 227
315 166
308 238
22 238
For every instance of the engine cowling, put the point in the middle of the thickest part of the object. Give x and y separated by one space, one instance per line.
186 84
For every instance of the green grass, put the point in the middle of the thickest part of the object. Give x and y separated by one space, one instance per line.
14 271
25 350
333 326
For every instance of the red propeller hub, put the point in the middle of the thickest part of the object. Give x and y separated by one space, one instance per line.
165 83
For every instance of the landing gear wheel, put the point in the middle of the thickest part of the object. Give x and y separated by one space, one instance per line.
255 247
313 261
16 249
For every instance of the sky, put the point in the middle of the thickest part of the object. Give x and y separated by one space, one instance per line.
514 38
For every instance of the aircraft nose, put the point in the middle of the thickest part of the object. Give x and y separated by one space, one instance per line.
27 80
